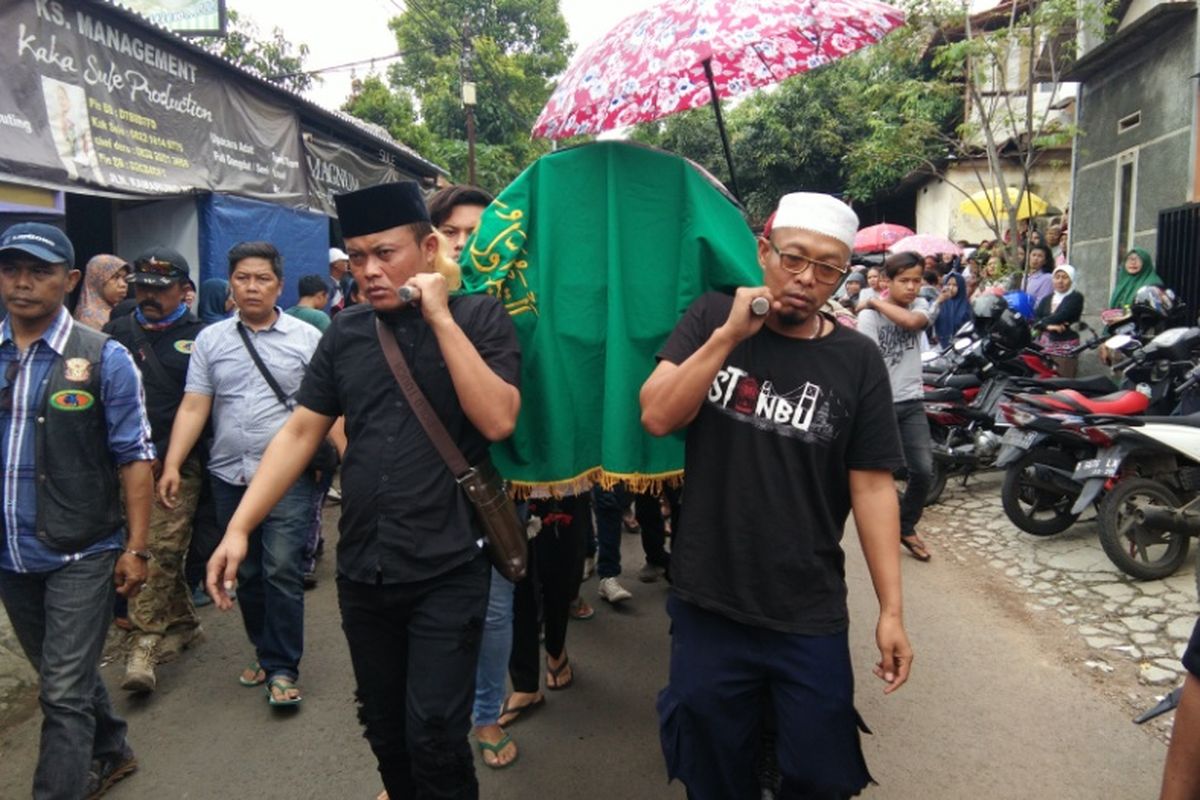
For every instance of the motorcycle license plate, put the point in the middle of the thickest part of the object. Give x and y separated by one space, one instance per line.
1098 468
1019 438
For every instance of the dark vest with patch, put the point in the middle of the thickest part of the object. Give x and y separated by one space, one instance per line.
78 492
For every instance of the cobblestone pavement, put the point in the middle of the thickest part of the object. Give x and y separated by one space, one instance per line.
1128 634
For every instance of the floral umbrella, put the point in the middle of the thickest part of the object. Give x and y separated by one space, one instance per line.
878 238
676 56
927 244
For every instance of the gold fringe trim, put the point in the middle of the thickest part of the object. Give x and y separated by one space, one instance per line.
636 482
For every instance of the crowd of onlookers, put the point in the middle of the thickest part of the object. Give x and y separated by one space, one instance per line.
1032 272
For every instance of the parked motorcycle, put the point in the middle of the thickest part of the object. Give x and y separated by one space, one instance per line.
1150 471
1050 434
967 431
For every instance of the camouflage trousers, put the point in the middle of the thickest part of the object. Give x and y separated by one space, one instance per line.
165 601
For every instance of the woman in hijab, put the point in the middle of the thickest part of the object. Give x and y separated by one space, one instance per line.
104 285
215 301
1055 314
955 311
1039 285
1138 271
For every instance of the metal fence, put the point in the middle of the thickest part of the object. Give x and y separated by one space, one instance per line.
1178 253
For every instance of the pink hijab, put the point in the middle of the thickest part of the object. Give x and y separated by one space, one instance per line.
92 310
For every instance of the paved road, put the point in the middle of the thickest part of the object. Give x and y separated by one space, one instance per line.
997 708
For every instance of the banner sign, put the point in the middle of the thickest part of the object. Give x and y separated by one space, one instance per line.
193 17
334 169
90 98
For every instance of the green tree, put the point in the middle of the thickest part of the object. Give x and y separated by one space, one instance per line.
856 126
373 100
510 48
272 58
1009 62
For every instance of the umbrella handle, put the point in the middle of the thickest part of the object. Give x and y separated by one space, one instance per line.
716 104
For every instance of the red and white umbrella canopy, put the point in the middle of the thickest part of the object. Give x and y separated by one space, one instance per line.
651 64
926 244
877 238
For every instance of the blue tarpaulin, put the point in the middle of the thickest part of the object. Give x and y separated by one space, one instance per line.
301 236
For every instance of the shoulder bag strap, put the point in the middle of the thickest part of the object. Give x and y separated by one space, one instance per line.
266 373
416 398
148 356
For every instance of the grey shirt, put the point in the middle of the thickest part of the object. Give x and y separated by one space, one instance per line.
901 349
246 414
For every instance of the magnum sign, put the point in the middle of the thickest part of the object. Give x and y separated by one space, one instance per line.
333 169
91 99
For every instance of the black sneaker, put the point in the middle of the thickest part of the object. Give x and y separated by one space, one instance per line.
105 773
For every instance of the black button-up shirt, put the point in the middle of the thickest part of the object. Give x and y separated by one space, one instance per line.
404 517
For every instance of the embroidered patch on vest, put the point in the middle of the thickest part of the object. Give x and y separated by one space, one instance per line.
185 346
72 400
77 370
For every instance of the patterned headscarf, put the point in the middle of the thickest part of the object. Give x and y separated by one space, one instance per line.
93 310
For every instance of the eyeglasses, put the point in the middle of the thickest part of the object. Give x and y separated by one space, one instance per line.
796 264
10 377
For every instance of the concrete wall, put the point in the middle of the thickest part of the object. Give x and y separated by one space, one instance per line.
171 223
1155 83
938 200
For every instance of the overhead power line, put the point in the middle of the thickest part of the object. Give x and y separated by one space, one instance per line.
348 64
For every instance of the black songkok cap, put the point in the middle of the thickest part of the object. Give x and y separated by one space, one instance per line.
378 208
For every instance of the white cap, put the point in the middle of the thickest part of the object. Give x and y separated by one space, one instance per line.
819 213
337 255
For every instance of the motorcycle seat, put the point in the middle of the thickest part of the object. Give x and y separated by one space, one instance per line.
963 381
1127 402
1050 402
947 395
1095 385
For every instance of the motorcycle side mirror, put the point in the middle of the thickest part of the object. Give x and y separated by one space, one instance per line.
1119 341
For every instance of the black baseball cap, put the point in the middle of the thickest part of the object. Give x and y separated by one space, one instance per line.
159 267
42 241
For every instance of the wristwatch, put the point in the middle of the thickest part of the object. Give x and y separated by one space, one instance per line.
144 555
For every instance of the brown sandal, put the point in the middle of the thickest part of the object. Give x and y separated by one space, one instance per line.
915 546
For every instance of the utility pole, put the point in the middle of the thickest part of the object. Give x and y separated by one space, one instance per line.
468 99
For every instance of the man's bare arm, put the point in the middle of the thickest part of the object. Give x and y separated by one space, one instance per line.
137 484
908 320
877 517
489 401
185 432
671 397
1181 773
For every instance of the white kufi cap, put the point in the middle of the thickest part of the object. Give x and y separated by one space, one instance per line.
336 254
819 213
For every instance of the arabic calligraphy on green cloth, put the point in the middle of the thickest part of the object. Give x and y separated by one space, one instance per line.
596 252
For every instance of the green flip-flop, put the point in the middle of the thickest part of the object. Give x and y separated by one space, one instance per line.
282 684
495 749
260 677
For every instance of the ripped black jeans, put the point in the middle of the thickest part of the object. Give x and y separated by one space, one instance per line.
414 647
